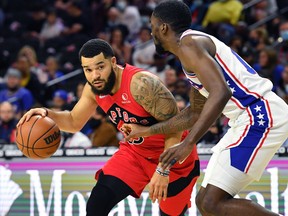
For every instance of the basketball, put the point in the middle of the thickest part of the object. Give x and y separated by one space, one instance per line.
38 138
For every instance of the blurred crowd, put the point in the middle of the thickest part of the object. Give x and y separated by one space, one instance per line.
39 44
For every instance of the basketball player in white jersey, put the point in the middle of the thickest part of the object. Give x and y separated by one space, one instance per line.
223 83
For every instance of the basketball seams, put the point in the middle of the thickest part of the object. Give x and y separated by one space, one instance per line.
28 138
39 148
20 132
49 146
44 148
53 126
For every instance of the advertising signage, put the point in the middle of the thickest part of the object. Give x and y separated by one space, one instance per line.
61 186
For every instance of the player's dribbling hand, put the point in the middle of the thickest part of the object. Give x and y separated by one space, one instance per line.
158 187
178 152
31 112
133 131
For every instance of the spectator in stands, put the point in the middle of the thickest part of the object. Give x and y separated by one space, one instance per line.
52 27
248 55
77 95
104 13
223 11
76 140
144 49
35 66
182 88
282 46
103 132
181 103
120 45
268 67
258 39
60 99
113 19
213 135
20 97
236 44
130 17
160 66
77 22
282 90
170 79
53 72
36 19
30 80
261 10
221 17
7 123
52 68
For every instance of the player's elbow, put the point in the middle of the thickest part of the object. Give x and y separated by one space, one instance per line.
227 94
223 97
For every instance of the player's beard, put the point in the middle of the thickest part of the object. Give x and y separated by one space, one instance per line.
108 86
159 48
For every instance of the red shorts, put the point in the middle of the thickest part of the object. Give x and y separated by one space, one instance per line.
136 171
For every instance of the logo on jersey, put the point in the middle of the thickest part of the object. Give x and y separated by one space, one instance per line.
125 98
102 96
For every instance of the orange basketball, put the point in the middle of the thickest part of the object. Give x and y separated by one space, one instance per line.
38 138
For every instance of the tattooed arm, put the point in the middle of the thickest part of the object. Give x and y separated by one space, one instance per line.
156 99
180 122
185 119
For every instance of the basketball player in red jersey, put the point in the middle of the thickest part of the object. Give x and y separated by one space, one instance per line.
128 94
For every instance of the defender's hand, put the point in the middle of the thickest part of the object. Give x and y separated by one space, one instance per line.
171 155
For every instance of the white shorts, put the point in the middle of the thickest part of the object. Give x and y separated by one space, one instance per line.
242 155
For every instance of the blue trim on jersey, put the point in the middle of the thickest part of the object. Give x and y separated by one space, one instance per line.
239 94
241 154
195 85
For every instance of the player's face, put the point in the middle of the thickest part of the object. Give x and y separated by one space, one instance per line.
155 32
99 74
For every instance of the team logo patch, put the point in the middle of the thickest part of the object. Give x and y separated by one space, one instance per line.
125 98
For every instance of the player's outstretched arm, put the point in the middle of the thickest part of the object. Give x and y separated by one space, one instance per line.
69 121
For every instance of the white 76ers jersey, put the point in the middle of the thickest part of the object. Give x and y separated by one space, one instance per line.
245 84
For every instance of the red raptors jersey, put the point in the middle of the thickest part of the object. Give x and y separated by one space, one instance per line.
122 108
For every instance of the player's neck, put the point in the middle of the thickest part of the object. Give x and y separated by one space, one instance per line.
118 73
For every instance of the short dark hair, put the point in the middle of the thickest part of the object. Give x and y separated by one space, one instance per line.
175 13
94 47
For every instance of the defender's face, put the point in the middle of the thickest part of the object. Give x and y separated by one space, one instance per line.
156 35
99 73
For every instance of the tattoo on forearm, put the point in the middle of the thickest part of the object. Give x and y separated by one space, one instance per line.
154 97
185 119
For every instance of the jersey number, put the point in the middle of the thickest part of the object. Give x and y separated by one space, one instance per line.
136 141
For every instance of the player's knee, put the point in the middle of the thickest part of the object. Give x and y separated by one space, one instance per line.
207 203
198 201
199 198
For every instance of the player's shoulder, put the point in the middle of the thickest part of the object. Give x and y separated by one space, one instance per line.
144 74
195 43
144 80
